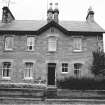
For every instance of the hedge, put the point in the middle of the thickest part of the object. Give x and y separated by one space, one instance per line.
81 84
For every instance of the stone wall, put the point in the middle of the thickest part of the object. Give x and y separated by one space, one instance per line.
40 56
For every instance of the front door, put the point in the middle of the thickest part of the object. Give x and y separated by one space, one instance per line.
51 73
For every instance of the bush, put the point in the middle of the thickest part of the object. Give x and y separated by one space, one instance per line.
81 84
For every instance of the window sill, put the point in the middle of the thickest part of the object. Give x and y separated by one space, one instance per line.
52 51
8 50
77 51
30 50
30 78
6 78
64 72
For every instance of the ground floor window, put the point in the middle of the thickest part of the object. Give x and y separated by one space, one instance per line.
28 70
6 69
64 67
77 67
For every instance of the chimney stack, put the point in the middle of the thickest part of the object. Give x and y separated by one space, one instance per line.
50 13
90 15
7 16
56 13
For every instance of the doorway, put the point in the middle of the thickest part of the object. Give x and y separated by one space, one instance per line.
51 73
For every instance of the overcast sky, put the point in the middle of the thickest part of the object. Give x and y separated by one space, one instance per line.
69 9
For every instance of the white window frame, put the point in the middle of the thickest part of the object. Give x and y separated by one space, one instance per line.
10 70
6 45
65 67
31 71
77 44
52 44
32 40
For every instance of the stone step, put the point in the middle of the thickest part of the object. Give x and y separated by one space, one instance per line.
51 92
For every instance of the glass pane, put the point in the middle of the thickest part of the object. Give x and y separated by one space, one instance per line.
64 65
30 47
76 72
77 66
4 73
66 69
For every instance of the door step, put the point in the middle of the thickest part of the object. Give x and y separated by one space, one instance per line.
51 92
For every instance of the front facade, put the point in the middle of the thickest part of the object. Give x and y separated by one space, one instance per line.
45 51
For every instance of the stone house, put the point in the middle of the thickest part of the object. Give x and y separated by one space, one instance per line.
36 51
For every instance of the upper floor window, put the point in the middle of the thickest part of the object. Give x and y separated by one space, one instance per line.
30 43
64 67
28 70
8 43
6 69
77 67
52 44
77 44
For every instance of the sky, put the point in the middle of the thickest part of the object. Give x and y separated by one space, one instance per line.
69 9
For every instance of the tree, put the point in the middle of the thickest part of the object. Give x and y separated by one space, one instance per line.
98 64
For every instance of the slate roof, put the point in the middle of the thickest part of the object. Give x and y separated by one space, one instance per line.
34 25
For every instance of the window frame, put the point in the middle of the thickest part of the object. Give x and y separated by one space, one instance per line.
52 44
33 43
5 45
10 70
75 49
31 71
65 67
78 69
